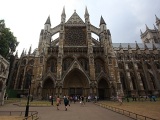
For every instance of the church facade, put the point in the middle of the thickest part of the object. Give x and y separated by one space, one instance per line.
75 63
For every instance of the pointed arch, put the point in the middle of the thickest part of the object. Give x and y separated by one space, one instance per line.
133 79
104 90
48 86
67 62
99 65
84 63
123 81
76 82
51 65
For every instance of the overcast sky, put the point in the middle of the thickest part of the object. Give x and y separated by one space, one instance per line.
124 18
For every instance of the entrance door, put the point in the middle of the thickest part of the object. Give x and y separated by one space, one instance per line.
101 93
75 91
48 89
103 89
75 83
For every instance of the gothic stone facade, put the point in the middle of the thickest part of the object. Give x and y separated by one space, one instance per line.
77 64
4 70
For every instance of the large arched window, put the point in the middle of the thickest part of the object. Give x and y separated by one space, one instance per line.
122 78
84 63
133 79
130 65
66 63
99 65
120 65
139 65
52 65
143 81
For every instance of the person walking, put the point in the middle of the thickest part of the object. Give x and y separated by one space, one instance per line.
66 102
58 101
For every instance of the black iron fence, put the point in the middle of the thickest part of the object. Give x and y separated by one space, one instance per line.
125 112
33 115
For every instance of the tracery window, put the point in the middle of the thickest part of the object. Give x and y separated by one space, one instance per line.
152 81
52 65
66 63
139 66
120 65
20 78
28 79
75 36
122 78
99 65
84 63
130 65
133 79
143 81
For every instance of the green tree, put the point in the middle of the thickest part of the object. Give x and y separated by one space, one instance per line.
8 41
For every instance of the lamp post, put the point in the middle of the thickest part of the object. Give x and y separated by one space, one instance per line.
28 77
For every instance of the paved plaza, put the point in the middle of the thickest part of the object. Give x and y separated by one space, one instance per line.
75 112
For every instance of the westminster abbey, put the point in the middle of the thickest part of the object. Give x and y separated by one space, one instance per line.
75 63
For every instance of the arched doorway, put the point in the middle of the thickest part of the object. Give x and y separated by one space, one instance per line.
76 83
103 90
48 88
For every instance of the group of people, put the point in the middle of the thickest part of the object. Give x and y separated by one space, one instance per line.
66 102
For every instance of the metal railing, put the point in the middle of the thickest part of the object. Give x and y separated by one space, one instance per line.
33 115
125 112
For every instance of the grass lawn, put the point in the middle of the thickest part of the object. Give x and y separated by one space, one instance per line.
146 108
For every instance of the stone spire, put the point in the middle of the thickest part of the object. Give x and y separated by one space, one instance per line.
16 55
155 27
86 16
102 21
129 48
47 24
22 54
86 12
137 47
29 52
120 48
63 16
102 25
48 21
147 27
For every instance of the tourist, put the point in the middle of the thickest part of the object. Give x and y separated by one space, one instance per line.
58 101
66 101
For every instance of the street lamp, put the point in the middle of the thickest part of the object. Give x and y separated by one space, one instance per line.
28 78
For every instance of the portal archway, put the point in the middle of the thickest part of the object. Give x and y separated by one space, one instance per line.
76 83
48 88
104 91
